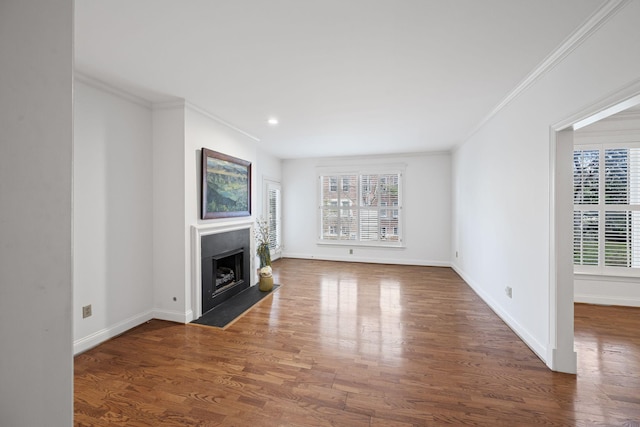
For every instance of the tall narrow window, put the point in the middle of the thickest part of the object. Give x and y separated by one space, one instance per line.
606 230
361 210
274 217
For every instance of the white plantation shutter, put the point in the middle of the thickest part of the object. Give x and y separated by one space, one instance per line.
616 166
635 239
617 238
274 217
368 225
607 207
354 208
586 191
585 237
586 176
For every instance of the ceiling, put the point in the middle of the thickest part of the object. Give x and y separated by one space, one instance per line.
343 77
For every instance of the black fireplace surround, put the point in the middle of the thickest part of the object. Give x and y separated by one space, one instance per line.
225 266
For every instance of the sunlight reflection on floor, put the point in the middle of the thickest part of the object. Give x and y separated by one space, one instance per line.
353 322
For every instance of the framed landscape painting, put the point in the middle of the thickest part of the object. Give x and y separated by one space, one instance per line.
226 185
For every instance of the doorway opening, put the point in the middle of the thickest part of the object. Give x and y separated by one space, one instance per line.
561 349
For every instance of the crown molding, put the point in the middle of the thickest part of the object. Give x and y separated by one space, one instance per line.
106 87
181 103
582 33
169 105
219 120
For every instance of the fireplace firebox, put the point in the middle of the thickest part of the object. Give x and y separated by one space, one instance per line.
225 266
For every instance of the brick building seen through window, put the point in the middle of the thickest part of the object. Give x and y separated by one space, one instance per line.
361 208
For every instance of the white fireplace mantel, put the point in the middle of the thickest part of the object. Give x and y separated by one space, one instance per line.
199 230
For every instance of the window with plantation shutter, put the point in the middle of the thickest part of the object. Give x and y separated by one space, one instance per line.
361 208
274 215
585 237
606 226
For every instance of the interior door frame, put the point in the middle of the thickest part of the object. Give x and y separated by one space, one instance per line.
561 355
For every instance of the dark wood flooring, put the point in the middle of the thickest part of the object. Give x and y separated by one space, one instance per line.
344 344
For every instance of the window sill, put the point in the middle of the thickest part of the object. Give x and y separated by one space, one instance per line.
351 243
613 274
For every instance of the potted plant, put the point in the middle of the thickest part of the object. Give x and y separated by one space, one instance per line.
264 254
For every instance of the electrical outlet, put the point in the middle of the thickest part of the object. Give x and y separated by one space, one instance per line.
508 291
456 254
86 311
350 251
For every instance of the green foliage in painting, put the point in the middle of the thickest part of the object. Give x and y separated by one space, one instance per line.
227 186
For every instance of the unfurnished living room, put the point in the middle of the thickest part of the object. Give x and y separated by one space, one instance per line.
310 213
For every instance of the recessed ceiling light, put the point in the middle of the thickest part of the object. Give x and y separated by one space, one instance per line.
272 121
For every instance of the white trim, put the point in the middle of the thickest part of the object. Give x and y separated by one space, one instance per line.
182 103
605 277
173 316
169 105
623 94
608 138
383 244
564 358
605 300
631 143
536 346
582 33
369 260
632 113
560 354
219 120
605 272
106 87
197 231
608 112
98 337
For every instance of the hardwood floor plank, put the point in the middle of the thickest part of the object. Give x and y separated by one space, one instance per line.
360 345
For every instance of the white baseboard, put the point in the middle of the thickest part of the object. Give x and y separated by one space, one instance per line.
420 262
538 348
173 316
96 338
606 300
83 344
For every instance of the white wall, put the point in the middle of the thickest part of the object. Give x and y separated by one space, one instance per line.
137 193
113 241
598 289
168 216
204 130
180 130
426 203
36 360
501 224
607 290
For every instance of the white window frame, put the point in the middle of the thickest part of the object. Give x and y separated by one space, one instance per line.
333 186
342 182
358 172
601 207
